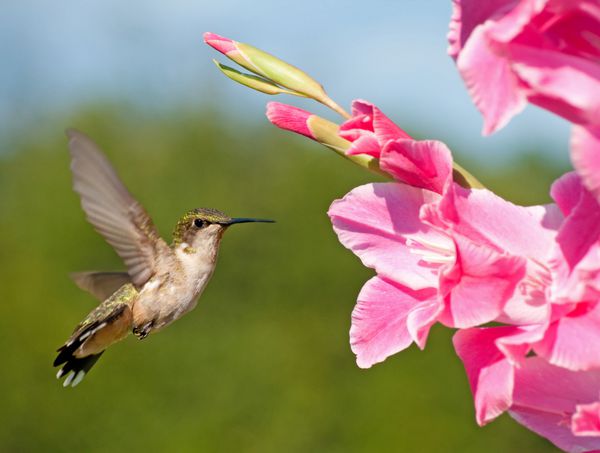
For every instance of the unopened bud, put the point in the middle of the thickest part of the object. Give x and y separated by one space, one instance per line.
272 68
251 81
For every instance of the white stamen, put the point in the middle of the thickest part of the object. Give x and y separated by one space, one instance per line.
431 252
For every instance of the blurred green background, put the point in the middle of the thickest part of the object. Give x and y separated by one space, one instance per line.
263 363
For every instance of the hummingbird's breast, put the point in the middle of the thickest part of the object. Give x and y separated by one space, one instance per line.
167 297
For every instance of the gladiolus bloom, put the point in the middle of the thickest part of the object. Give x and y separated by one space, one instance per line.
462 258
546 52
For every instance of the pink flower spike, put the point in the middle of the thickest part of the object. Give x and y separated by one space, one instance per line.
223 45
290 118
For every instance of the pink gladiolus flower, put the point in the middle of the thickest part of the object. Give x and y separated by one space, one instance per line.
442 253
420 163
463 259
546 52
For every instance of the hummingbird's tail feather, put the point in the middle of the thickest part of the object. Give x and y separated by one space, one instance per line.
109 322
75 369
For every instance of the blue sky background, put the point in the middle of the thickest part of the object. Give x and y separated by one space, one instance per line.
149 54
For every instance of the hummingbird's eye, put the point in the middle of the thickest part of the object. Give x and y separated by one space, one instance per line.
198 223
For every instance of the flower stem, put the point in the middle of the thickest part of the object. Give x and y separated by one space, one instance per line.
334 106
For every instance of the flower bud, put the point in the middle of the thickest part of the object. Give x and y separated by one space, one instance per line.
272 68
319 129
251 81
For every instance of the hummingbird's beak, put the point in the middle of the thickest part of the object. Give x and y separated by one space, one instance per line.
245 220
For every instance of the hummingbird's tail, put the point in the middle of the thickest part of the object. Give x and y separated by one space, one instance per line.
75 369
109 322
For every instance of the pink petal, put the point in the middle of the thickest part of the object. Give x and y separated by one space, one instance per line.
585 154
555 427
490 373
384 128
515 20
369 129
223 45
419 163
376 221
529 303
566 191
379 320
490 80
289 118
564 84
573 341
468 14
586 420
575 263
545 387
421 318
365 144
545 397
484 217
479 285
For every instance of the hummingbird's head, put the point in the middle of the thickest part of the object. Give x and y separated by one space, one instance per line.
204 226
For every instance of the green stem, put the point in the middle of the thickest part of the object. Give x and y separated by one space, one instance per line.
327 101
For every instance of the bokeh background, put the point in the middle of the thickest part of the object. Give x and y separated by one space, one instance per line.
263 364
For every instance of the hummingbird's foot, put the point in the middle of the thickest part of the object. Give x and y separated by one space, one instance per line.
143 331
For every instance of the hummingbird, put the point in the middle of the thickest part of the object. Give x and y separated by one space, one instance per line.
162 282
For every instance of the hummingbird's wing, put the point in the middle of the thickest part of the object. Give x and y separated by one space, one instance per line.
101 285
111 209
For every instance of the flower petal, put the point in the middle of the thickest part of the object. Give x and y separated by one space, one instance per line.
586 421
379 320
566 191
585 154
490 80
419 163
369 121
490 373
468 14
572 341
564 84
479 285
375 221
575 262
486 218
545 396
289 118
